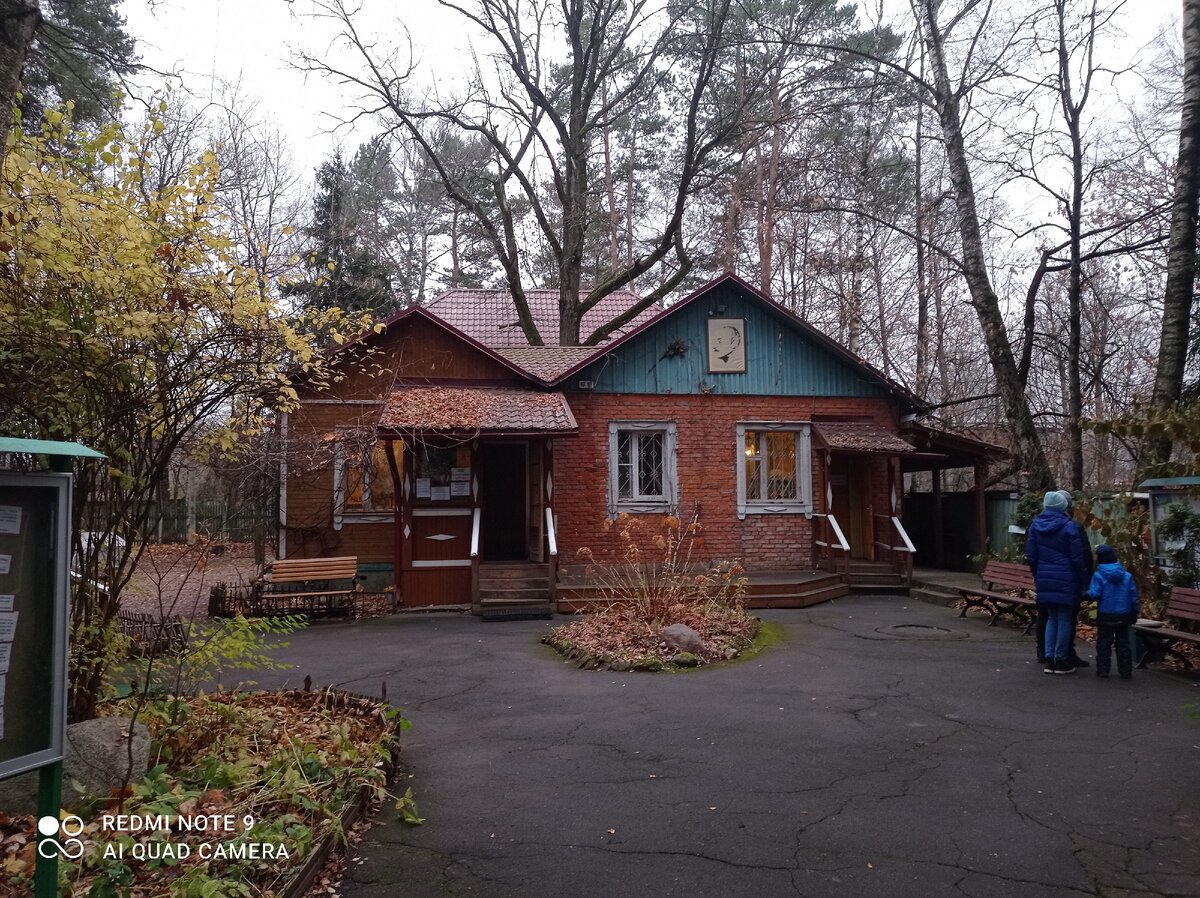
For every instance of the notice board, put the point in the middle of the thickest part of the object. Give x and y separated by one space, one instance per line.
34 561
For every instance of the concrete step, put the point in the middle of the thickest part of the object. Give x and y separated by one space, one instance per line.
935 595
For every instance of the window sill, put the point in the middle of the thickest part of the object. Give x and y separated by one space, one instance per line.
368 517
661 507
776 508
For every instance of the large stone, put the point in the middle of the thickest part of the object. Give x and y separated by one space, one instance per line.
96 758
681 638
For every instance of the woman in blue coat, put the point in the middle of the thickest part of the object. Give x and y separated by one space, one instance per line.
1057 555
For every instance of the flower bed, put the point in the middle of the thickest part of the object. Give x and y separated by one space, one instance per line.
244 790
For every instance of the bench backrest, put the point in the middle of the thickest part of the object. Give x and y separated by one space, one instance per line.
1008 574
1184 603
297 570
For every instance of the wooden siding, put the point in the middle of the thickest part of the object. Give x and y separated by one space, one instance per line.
309 513
780 359
418 349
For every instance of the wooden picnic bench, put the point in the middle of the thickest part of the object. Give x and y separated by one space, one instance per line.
317 587
1007 588
1154 643
151 635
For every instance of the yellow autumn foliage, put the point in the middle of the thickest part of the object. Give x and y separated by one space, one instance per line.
115 280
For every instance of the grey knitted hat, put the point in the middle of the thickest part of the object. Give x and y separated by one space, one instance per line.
1054 501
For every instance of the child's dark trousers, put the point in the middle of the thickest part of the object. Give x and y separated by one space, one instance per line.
1106 637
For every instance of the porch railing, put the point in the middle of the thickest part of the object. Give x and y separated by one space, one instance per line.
475 557
552 548
833 540
903 553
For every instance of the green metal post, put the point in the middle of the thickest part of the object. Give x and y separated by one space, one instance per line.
49 804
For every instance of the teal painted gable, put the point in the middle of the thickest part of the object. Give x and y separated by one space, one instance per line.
781 360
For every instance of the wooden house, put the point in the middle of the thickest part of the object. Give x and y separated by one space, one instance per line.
469 468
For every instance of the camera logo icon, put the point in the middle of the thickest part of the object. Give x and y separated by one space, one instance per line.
70 828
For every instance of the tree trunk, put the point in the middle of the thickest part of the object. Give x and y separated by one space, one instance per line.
19 20
974 262
922 373
1181 258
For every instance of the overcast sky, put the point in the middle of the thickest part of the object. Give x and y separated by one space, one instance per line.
209 41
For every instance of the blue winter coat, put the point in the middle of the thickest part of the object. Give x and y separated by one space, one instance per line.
1057 553
1115 593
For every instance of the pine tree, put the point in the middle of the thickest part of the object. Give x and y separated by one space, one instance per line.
79 53
343 272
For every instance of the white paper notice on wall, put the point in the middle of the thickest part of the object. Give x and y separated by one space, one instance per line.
10 518
5 657
423 487
5 564
8 625
7 602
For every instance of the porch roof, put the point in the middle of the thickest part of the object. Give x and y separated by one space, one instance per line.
847 436
475 410
956 450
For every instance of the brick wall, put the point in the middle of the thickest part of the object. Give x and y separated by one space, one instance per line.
706 454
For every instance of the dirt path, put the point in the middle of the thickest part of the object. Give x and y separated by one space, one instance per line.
176 579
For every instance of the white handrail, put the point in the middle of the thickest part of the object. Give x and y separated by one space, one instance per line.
908 543
475 533
551 536
842 544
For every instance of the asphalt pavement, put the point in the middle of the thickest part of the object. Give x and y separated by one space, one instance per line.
885 748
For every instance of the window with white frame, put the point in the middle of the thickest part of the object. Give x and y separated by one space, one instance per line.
641 466
774 472
363 486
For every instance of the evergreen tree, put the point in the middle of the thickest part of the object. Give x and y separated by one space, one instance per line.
342 270
80 52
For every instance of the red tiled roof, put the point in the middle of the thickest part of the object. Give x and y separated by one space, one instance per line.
476 410
855 437
546 362
490 317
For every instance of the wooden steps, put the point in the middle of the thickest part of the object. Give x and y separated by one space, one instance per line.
874 577
765 589
514 591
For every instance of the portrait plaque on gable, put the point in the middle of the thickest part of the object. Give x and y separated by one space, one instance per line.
727 345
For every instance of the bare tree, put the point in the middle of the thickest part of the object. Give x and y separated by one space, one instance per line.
1181 260
947 99
543 113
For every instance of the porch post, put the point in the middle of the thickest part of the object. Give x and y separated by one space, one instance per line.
549 524
980 509
939 527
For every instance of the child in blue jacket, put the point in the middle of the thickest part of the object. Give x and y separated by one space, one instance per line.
1116 598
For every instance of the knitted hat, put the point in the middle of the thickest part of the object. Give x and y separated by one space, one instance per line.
1054 501
1066 494
1106 555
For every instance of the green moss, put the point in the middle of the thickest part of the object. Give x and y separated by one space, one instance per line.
770 633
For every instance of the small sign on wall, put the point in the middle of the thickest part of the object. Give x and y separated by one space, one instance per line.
727 345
